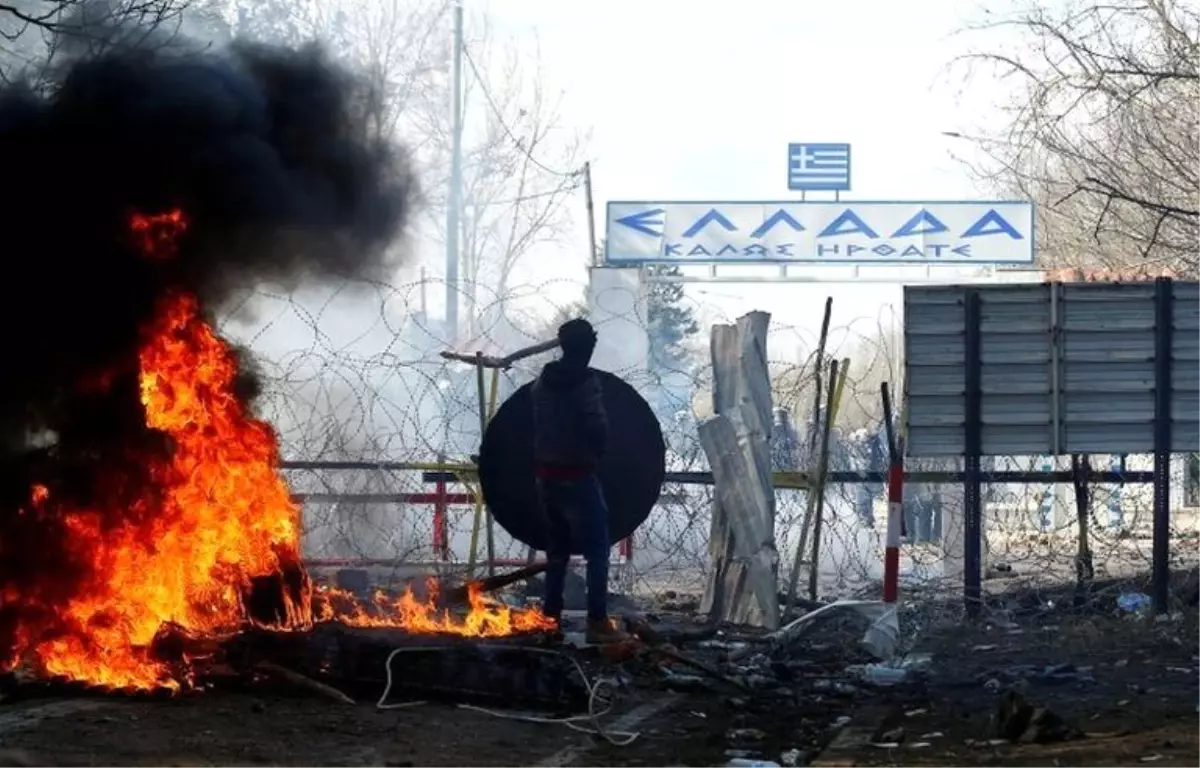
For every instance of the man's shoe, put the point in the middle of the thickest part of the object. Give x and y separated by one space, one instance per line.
604 632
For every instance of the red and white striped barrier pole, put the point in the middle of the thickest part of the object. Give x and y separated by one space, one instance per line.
895 516
625 548
895 530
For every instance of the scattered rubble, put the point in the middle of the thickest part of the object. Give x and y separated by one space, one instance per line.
780 697
804 677
748 697
1018 721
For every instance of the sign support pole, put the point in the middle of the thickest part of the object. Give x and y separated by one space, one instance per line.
1163 331
973 429
594 254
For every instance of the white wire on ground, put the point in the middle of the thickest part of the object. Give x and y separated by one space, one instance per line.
593 687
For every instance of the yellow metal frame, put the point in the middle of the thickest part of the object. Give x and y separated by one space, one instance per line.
464 471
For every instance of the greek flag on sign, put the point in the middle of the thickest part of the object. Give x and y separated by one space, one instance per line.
819 166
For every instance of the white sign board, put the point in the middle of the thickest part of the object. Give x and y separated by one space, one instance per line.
874 232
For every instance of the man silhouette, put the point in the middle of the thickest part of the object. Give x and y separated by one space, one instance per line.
569 439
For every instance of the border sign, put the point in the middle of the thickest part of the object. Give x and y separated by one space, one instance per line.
868 232
813 167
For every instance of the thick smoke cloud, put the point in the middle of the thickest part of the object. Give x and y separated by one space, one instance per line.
260 147
280 179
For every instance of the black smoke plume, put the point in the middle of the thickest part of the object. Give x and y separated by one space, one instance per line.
280 179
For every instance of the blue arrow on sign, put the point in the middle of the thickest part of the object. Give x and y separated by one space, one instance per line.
705 220
640 223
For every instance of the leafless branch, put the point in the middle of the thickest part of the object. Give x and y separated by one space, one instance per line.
34 32
1102 131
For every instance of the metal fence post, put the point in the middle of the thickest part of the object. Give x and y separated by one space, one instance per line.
1163 328
973 448
441 539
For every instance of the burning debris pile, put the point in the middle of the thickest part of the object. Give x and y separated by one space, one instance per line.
139 496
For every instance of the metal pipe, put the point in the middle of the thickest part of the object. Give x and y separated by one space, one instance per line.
799 481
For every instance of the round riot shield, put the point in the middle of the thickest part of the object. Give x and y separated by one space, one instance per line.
631 472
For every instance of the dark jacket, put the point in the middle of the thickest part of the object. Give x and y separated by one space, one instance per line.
570 428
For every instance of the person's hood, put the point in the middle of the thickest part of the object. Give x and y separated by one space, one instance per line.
564 374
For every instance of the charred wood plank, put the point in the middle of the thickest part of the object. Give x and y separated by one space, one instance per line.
500 672
459 595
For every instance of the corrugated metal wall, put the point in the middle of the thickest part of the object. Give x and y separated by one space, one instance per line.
1107 359
1066 368
1185 375
1014 330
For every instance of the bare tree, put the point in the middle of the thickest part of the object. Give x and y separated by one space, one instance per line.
1103 131
875 357
543 328
34 33
520 167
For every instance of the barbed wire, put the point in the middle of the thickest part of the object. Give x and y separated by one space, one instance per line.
344 384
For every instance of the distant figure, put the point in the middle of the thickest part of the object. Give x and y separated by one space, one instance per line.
570 434
1116 512
785 442
872 457
923 502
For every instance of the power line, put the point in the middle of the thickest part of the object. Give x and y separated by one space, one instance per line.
487 94
563 190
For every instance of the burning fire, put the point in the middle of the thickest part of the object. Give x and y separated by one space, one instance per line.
218 517
485 619
158 234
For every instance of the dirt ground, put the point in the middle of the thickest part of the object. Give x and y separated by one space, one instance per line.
236 729
240 729
1129 686
248 728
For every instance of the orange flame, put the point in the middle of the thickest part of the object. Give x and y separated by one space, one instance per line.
484 619
220 515
158 234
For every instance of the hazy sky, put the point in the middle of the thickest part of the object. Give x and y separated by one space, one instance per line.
698 100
